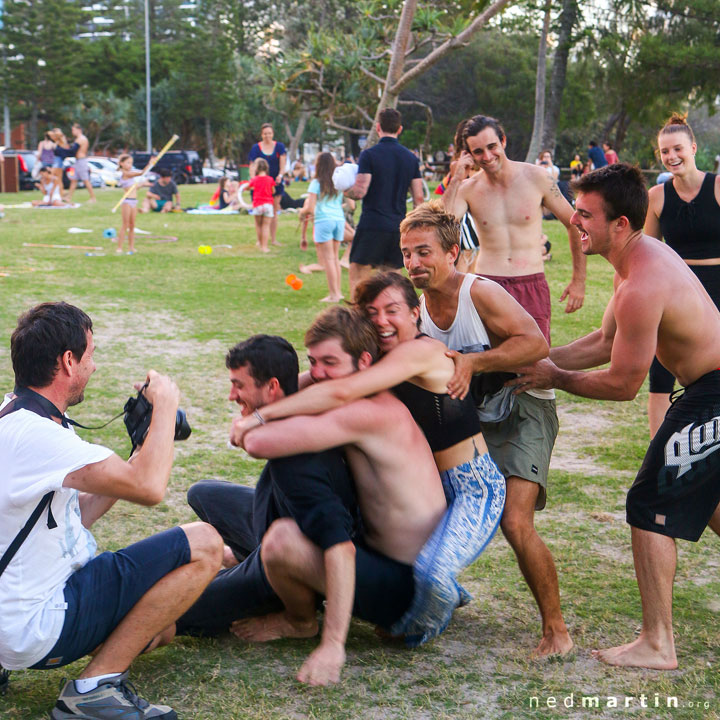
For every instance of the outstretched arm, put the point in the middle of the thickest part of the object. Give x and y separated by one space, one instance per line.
632 352
406 361
308 434
554 201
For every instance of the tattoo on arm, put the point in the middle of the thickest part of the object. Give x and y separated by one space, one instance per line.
555 190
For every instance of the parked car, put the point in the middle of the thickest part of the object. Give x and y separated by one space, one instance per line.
106 168
212 175
186 165
26 163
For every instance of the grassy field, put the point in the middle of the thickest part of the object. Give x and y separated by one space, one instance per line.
170 308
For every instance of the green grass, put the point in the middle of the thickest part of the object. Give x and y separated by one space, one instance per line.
175 310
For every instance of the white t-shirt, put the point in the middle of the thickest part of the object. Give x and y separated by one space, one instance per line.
36 454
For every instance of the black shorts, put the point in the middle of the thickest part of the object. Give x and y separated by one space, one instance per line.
677 487
377 248
661 379
384 588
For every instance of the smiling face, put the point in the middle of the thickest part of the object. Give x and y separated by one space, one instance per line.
428 265
487 149
245 391
328 360
394 320
592 223
267 134
126 163
677 152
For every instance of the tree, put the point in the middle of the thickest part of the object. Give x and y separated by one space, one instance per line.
536 138
43 59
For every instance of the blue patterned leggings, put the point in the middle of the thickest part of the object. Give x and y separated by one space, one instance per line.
475 492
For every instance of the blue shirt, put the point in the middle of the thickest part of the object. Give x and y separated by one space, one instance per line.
327 207
597 156
273 159
393 167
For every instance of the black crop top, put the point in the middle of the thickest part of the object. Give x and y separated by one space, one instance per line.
692 229
444 421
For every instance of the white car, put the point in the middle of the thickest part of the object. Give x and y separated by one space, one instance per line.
213 175
106 168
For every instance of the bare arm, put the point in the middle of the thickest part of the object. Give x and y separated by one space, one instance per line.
308 208
591 350
360 188
633 349
408 360
554 201
145 479
93 507
309 433
282 159
323 665
520 339
416 190
453 198
652 219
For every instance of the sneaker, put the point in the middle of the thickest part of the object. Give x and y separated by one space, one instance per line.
112 700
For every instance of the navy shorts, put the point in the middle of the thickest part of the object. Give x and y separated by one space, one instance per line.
103 592
377 248
384 588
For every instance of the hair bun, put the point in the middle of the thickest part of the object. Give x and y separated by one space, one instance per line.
677 119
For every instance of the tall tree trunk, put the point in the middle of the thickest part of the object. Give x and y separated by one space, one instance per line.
209 142
540 81
389 97
33 125
398 78
296 137
568 18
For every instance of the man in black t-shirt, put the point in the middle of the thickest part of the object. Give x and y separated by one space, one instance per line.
314 489
386 172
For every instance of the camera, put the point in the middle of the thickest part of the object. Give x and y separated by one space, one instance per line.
138 413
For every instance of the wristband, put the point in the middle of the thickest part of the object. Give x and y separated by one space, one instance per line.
258 417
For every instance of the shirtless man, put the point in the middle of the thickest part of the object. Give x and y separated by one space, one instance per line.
677 489
399 493
463 312
506 201
82 169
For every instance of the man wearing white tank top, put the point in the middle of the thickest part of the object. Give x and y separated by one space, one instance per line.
465 311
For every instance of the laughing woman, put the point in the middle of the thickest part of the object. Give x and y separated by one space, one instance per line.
417 370
685 212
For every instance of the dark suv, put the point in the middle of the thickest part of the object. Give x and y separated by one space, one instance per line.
185 165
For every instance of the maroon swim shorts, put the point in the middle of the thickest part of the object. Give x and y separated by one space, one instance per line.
533 293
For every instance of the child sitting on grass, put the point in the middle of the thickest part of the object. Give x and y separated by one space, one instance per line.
262 186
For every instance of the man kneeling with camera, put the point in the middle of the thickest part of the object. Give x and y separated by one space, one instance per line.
58 602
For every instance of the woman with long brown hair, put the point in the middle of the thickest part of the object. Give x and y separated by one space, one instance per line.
685 212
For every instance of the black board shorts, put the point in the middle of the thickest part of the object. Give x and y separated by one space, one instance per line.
377 248
677 488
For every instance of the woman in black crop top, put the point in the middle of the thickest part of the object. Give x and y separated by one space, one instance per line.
685 212
417 368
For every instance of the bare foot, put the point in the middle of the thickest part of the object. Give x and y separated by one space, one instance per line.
331 298
555 644
272 627
92 200
345 264
229 560
265 250
306 269
275 242
639 653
